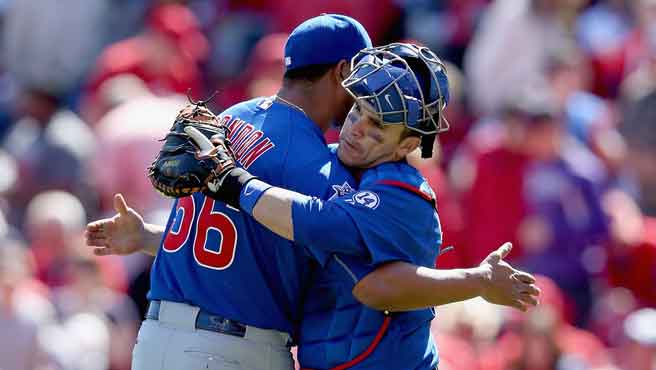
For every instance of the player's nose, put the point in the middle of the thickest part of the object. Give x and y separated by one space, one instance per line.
358 128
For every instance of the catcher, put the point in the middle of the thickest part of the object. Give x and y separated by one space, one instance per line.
377 243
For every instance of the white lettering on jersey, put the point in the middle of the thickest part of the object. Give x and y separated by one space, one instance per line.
248 144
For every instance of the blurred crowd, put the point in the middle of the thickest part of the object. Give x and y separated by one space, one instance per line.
552 147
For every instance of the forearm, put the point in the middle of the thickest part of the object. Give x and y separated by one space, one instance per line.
294 216
152 237
274 211
401 286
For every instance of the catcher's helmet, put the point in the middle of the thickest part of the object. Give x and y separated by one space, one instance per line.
402 84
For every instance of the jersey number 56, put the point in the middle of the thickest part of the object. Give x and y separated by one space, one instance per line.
180 232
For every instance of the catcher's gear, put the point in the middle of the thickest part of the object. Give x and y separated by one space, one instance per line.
195 154
402 84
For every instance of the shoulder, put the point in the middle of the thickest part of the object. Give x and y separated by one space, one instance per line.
398 178
320 173
248 106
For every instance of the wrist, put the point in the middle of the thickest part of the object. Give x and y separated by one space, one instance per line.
231 186
251 193
481 277
151 236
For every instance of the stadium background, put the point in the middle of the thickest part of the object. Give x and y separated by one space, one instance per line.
86 88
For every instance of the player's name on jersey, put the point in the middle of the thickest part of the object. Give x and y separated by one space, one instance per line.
248 143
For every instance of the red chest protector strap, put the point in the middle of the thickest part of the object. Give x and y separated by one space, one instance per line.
367 352
399 184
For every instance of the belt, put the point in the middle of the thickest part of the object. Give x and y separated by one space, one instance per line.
205 321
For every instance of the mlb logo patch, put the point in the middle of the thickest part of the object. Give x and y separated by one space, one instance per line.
288 61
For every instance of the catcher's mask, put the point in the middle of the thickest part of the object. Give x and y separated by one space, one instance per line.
403 84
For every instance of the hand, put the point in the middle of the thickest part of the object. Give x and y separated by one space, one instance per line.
218 148
229 179
505 285
120 235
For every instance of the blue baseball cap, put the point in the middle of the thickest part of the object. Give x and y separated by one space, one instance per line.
325 39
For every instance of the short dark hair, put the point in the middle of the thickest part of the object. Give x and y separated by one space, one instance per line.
409 133
309 73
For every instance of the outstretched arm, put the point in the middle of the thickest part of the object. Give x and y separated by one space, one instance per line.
302 218
400 286
274 210
125 233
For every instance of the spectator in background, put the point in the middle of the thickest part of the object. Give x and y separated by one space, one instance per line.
464 331
594 146
166 56
21 302
491 177
638 352
129 134
639 52
550 212
631 261
52 45
54 223
602 30
287 14
85 303
263 73
444 26
542 339
512 28
640 134
52 220
50 145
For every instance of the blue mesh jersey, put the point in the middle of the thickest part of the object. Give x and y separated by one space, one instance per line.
391 217
220 259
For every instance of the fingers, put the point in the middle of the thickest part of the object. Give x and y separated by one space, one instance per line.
499 254
528 299
96 225
120 205
95 237
518 304
505 249
524 277
532 290
104 251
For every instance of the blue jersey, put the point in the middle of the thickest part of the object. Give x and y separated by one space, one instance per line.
391 217
218 258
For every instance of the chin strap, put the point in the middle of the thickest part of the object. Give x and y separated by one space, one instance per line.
427 142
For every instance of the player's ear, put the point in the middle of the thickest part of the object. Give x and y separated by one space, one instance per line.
407 146
342 70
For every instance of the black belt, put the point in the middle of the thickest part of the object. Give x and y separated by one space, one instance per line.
205 321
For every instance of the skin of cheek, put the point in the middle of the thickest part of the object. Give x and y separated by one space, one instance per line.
374 144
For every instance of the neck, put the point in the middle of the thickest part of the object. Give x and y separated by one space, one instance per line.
307 98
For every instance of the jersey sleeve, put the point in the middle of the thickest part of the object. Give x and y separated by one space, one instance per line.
325 228
380 224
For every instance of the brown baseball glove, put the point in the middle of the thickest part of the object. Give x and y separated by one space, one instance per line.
195 155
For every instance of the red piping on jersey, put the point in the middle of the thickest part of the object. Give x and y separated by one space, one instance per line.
372 346
407 187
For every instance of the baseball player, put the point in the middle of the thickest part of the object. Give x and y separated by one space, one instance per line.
225 292
391 218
